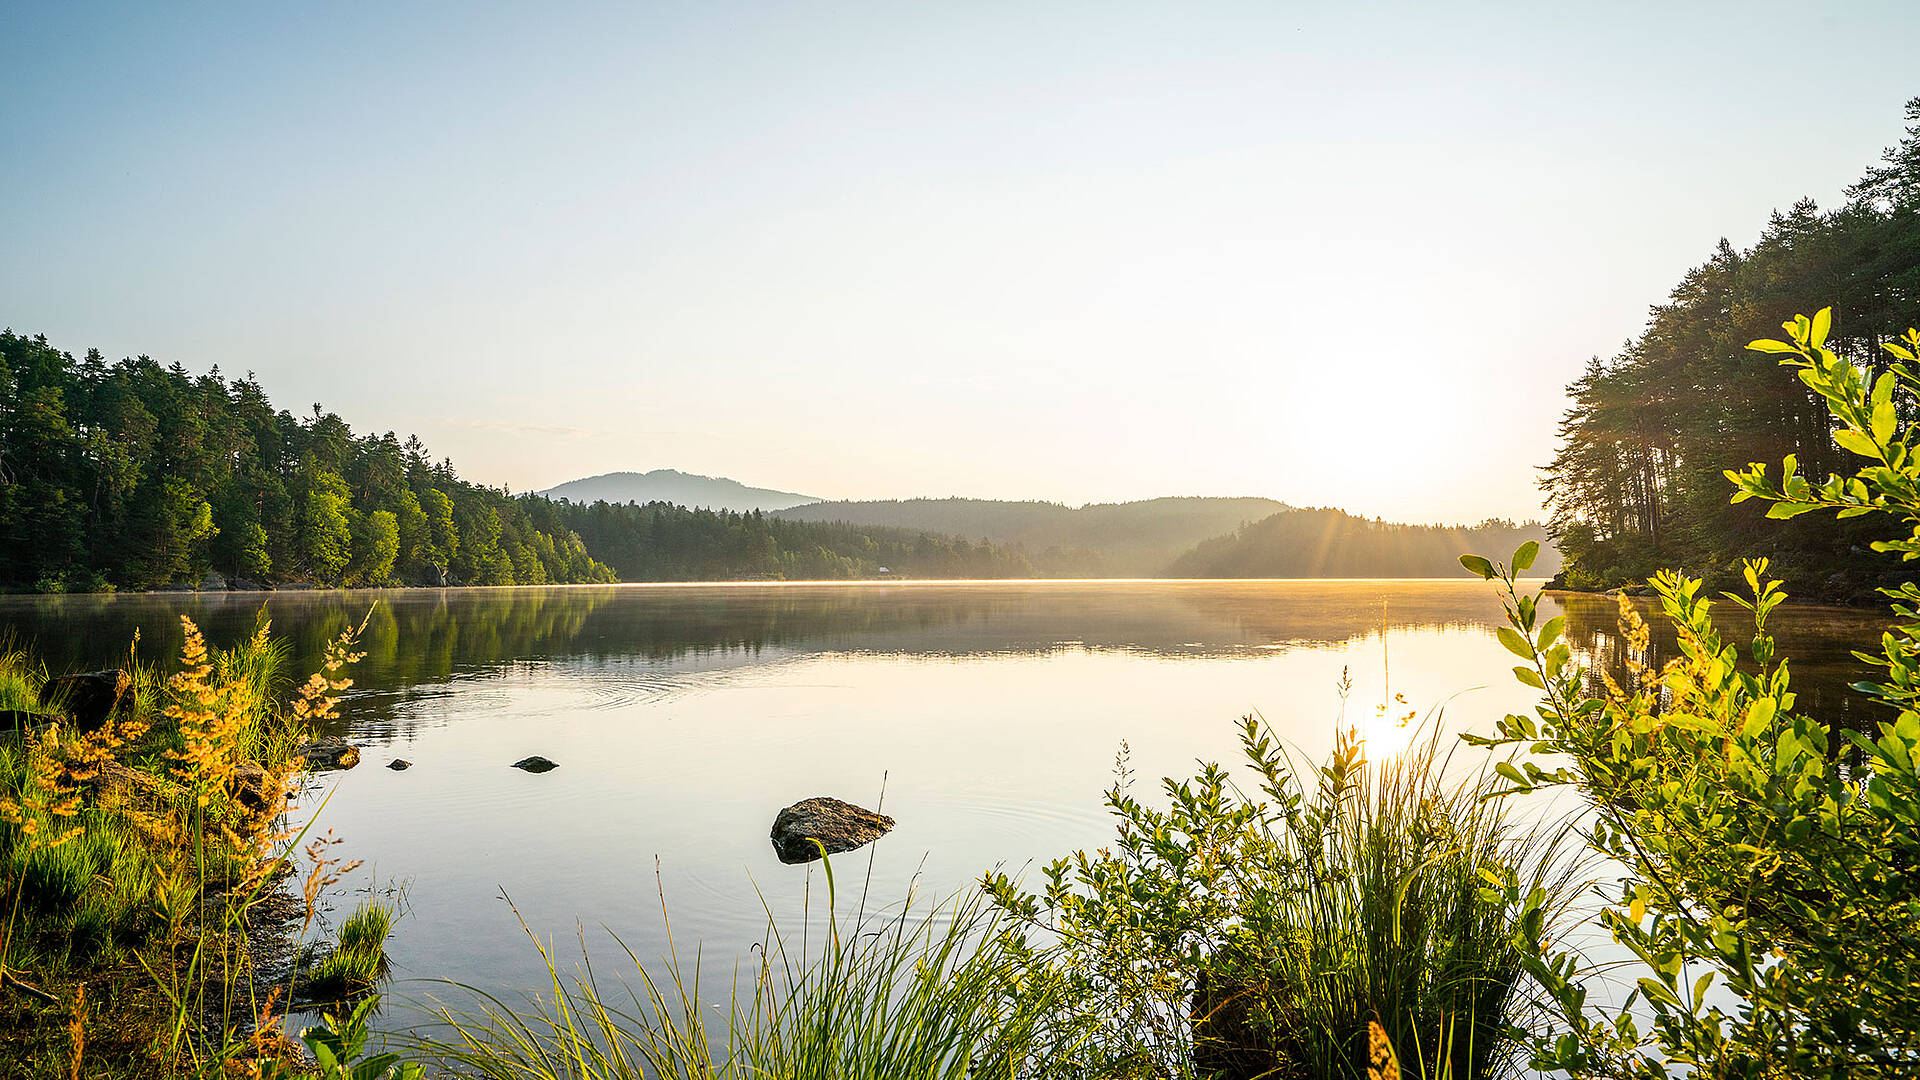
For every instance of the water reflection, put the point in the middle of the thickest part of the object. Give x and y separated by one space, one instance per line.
1818 642
683 718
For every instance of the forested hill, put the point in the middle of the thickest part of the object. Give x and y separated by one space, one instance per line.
1637 482
677 488
1131 539
134 475
1330 543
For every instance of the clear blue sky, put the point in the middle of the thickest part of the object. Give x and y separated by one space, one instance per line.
1338 254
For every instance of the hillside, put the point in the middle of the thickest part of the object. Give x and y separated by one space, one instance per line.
131 475
1332 543
676 487
1131 539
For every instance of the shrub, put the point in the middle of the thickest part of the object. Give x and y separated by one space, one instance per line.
1238 936
1758 863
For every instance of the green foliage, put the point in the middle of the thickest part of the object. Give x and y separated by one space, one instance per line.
906 996
337 1044
358 960
1757 859
1250 935
134 475
1636 483
661 542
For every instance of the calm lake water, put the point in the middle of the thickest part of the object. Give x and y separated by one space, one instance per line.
684 717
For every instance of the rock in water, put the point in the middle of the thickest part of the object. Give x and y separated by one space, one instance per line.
839 826
398 764
327 753
536 763
89 698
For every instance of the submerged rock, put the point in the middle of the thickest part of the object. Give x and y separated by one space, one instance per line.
397 764
838 826
328 752
536 763
89 697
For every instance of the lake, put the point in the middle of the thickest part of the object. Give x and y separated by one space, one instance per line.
984 716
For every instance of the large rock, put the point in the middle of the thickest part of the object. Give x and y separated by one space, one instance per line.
87 698
838 826
215 581
328 752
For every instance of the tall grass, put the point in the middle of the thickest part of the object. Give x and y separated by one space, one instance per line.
1371 902
933 995
357 960
133 853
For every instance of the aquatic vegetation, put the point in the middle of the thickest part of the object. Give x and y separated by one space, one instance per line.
940 995
357 960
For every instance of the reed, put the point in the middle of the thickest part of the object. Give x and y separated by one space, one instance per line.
913 995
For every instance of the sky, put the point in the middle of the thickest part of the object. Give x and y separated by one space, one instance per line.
1335 254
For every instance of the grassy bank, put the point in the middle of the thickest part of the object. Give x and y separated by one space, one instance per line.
145 867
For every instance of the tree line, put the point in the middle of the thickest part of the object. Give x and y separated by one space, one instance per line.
1638 481
133 475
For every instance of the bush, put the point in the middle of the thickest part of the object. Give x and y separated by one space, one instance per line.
1237 936
1758 862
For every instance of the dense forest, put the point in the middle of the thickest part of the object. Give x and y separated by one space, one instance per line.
134 475
662 542
1130 539
1311 543
1637 482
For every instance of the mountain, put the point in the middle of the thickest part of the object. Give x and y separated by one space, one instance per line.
1131 539
1333 543
673 486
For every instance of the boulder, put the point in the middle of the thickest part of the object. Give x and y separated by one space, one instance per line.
328 752
241 584
535 764
838 826
398 764
88 698
215 581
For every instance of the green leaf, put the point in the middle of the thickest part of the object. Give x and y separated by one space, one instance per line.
1515 644
1477 565
1506 769
1850 439
1530 677
1768 345
1523 558
1822 322
1789 510
1552 631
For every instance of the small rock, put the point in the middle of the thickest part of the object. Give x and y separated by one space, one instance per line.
536 763
328 752
839 826
398 764
248 785
89 698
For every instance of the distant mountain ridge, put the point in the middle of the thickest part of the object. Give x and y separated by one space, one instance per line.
674 486
1326 543
1130 539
